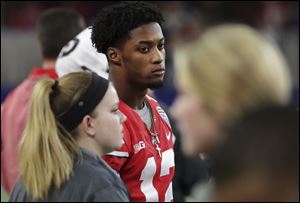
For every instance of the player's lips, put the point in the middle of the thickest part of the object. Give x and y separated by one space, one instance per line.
159 72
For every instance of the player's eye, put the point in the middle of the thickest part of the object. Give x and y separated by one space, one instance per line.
161 46
144 50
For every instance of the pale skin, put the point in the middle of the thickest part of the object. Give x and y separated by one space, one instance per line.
199 129
101 132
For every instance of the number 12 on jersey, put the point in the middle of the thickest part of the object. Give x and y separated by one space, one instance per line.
148 172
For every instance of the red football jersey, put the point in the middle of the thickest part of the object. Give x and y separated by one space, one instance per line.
13 121
145 162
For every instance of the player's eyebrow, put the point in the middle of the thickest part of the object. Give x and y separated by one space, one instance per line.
150 42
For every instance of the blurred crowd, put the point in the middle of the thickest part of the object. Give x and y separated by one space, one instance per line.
184 21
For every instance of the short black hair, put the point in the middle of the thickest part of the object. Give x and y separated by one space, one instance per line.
57 26
266 140
114 23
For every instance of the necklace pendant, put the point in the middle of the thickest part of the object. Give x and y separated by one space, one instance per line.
158 150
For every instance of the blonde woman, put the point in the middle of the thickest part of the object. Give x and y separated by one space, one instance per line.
230 70
72 123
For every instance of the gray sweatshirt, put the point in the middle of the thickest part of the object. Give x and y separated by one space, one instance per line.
92 180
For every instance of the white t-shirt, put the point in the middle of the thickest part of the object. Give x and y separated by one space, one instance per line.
145 115
79 55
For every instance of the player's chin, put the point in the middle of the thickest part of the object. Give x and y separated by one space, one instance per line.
156 84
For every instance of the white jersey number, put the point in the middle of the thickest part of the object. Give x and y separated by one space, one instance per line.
148 172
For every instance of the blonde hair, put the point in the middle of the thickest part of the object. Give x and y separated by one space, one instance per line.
232 68
47 151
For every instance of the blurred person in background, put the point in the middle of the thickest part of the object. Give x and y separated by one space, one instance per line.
230 70
72 122
80 55
55 27
260 159
130 35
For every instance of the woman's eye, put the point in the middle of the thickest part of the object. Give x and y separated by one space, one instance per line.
115 110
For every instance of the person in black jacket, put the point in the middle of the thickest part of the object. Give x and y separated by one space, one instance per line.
72 123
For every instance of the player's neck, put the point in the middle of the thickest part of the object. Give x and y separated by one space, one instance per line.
128 93
48 64
132 97
134 101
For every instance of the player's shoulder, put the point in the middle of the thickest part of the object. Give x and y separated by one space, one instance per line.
149 98
157 107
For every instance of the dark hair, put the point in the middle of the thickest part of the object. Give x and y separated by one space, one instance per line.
266 140
113 23
56 27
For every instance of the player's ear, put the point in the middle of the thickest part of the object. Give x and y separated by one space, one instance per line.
114 56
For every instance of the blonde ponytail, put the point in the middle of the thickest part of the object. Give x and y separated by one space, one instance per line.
47 150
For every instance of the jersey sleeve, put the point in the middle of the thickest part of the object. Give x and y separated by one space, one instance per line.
119 157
